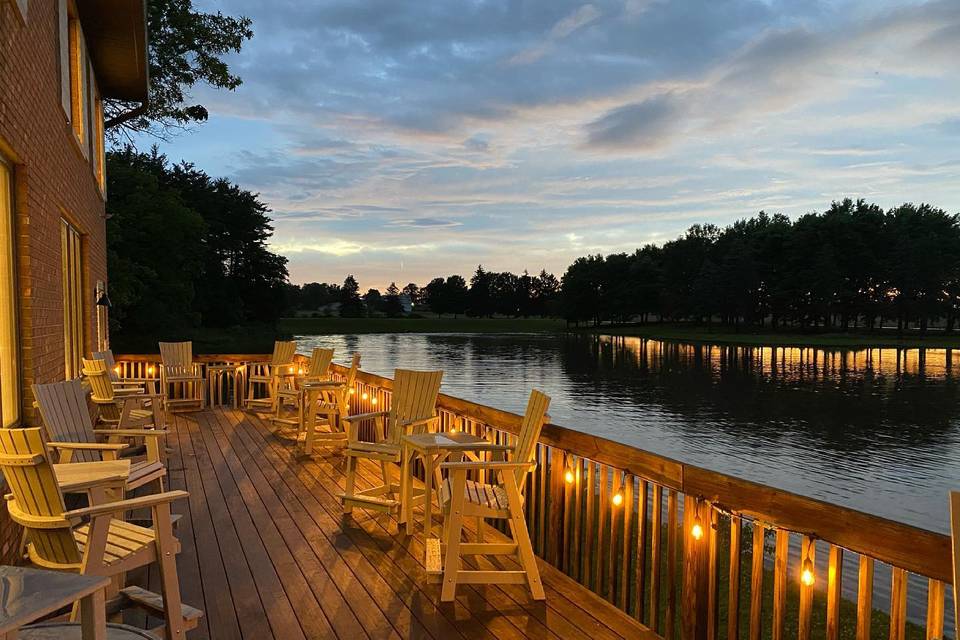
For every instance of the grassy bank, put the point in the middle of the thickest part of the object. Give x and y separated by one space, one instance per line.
336 325
726 335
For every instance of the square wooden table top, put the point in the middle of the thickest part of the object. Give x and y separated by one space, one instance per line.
29 594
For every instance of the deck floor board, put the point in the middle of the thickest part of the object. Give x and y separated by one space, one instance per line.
267 553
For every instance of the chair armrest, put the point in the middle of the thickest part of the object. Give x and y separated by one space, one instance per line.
133 433
89 446
422 422
321 383
491 465
126 505
365 416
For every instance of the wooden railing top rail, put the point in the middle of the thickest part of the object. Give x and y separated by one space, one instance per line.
917 550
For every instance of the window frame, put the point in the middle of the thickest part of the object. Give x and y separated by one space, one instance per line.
16 357
73 287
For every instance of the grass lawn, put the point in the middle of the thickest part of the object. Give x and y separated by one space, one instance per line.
726 335
336 325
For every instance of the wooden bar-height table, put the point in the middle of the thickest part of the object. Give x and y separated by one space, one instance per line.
27 595
433 449
224 378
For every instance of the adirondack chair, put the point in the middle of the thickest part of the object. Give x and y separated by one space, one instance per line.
130 411
329 401
181 379
317 370
63 407
412 410
501 499
121 385
269 375
90 541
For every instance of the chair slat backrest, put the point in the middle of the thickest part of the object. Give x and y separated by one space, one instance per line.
37 502
533 419
107 356
414 398
283 353
66 415
177 358
96 374
320 361
343 397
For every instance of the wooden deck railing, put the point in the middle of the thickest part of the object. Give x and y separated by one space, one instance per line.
693 553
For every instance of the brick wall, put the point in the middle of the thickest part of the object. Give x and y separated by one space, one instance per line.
52 179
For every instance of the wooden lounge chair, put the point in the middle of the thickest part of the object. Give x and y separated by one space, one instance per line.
181 379
412 410
90 540
122 385
63 407
128 411
317 370
500 499
327 401
269 375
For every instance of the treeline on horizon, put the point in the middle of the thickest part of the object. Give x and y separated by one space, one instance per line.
852 266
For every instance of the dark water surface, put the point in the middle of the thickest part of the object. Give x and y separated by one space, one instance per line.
877 430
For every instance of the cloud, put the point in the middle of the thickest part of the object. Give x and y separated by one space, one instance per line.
642 125
583 16
424 223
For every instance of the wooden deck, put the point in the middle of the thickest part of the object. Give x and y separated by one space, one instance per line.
267 553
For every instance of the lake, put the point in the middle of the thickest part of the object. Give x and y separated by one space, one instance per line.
877 430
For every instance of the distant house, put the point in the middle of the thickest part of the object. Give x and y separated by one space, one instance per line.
406 303
59 60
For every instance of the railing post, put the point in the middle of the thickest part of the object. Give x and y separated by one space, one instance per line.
696 570
556 506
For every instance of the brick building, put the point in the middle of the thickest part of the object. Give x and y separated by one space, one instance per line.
58 60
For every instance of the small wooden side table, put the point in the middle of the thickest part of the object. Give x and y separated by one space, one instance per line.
225 377
30 594
433 448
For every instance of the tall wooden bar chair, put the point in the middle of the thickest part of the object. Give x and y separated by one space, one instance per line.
63 407
267 376
122 385
412 410
128 411
499 499
181 379
90 541
292 397
328 401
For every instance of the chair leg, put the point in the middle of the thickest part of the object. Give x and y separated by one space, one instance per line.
351 479
479 528
169 582
518 530
385 472
451 563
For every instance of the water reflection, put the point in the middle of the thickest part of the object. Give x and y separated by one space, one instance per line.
875 429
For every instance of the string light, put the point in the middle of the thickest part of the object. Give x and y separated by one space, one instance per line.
116 369
352 391
364 396
373 400
150 370
290 369
806 573
617 497
300 371
569 476
697 529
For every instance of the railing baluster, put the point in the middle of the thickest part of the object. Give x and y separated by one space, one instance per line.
935 593
589 550
756 583
602 521
623 601
808 550
713 578
834 580
864 597
898 604
733 593
575 553
780 582
655 535
641 555
673 565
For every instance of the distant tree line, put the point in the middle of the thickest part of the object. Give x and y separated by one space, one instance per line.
854 265
487 294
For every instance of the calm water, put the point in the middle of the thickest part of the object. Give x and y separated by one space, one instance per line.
877 430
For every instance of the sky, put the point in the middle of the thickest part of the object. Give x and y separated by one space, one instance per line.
403 140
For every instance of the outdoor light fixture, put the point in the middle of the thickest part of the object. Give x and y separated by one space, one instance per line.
806 573
150 370
568 477
103 300
618 497
352 391
364 396
373 400
697 529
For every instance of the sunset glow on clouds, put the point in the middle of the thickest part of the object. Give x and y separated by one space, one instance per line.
404 140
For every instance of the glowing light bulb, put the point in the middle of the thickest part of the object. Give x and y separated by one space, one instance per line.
618 498
365 396
806 574
569 477
116 369
291 370
300 371
373 400
697 529
352 391
150 370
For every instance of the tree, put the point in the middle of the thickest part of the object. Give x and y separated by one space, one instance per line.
456 294
186 48
413 292
391 301
480 300
436 297
350 304
373 301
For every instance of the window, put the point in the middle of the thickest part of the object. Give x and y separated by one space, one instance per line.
74 78
73 317
9 344
98 150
